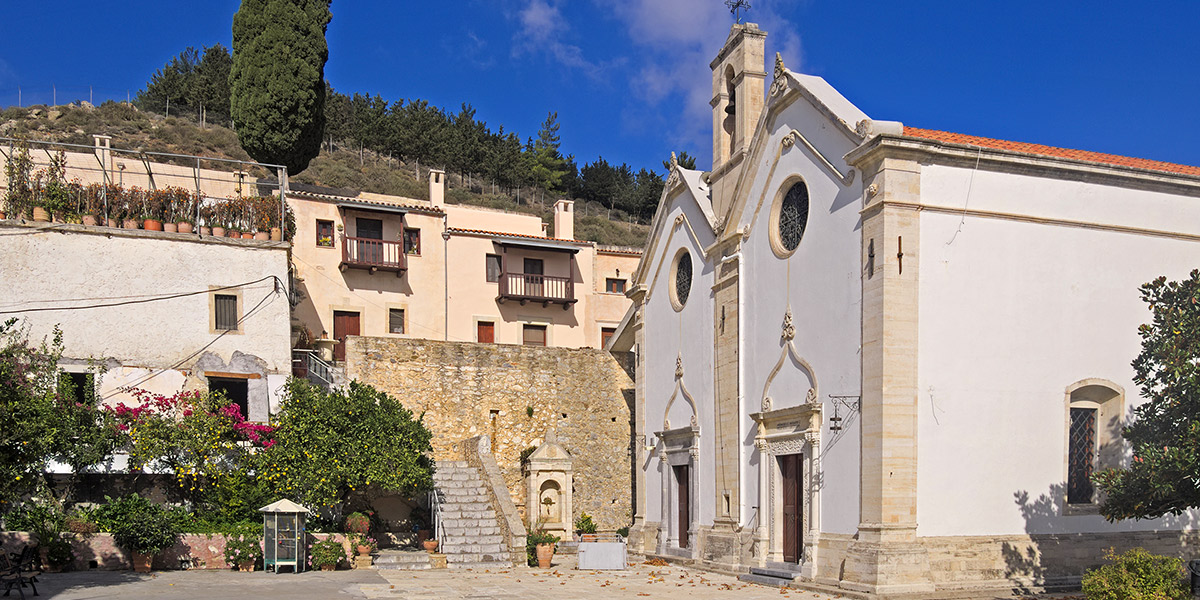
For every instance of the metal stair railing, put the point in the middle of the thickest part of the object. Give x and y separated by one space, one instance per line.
318 371
436 499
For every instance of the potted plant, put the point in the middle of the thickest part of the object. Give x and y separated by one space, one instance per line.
358 522
146 530
326 554
363 544
430 545
243 552
539 548
584 525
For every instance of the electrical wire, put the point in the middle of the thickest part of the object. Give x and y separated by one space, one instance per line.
278 282
125 388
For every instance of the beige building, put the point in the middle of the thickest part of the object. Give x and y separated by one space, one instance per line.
381 266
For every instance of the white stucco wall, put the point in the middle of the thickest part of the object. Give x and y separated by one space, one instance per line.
55 265
822 285
688 334
1011 313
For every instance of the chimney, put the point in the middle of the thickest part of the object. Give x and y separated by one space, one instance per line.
103 144
564 220
437 188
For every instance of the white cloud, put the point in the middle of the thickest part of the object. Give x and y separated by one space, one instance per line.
543 29
678 39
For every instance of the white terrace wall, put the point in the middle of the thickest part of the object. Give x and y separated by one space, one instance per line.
171 342
515 394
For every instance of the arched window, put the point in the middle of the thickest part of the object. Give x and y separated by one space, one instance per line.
1095 411
793 216
682 281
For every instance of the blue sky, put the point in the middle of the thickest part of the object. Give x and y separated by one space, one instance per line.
630 79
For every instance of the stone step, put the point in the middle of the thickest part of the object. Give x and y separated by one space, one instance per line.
451 546
766 580
465 507
769 572
404 560
456 560
451 516
469 531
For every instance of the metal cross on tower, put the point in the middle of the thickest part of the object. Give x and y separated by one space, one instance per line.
736 7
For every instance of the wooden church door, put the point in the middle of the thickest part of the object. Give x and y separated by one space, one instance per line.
790 473
683 504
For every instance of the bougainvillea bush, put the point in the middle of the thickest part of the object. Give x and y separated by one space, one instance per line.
243 549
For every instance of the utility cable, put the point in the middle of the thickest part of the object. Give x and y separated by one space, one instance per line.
152 375
279 283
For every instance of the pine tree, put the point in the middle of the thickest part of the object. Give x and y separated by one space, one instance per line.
277 81
547 164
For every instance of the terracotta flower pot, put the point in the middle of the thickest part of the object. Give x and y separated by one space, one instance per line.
141 562
170 227
218 231
276 234
112 223
246 235
364 550
207 231
262 235
233 233
545 552
152 225
184 227
40 215
328 567
246 567
130 224
90 220
430 545
2 215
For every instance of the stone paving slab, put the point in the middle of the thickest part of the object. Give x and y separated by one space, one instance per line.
562 581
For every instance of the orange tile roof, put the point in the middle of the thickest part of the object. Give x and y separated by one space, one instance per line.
335 198
516 235
1040 150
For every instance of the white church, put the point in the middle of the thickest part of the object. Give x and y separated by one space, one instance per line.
886 360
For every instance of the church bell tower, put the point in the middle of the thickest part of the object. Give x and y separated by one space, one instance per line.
738 84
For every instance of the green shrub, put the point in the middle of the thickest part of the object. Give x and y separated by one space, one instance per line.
623 532
58 552
1136 575
584 524
243 549
531 543
145 527
326 552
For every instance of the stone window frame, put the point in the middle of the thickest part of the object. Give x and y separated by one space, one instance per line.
773 234
1109 450
672 282
387 319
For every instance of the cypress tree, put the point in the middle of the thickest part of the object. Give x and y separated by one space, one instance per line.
277 82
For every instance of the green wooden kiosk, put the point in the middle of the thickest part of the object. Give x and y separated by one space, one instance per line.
284 540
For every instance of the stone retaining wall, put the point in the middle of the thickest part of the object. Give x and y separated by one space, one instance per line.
514 395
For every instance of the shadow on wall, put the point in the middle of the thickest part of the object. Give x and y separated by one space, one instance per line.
1056 557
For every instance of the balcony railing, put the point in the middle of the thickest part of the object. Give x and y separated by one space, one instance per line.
534 287
373 255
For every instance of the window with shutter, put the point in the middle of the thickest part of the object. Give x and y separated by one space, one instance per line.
396 320
226 309
534 335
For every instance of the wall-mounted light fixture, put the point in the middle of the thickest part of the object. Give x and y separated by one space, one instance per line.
849 403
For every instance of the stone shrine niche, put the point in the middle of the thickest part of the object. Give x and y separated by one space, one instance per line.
548 482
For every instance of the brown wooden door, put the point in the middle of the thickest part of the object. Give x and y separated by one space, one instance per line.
486 332
790 473
344 323
684 504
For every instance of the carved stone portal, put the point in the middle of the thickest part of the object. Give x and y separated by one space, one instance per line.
548 482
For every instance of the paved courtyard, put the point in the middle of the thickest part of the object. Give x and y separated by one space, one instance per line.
561 582
558 583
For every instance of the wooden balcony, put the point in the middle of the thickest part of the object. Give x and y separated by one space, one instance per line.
373 255
533 287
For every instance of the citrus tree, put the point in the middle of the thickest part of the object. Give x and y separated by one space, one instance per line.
329 445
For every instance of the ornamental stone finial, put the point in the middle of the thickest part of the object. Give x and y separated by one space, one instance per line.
789 330
674 160
780 82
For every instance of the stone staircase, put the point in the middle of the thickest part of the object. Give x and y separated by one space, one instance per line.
471 535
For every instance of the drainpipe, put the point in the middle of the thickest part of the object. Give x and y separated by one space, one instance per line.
446 278
741 388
